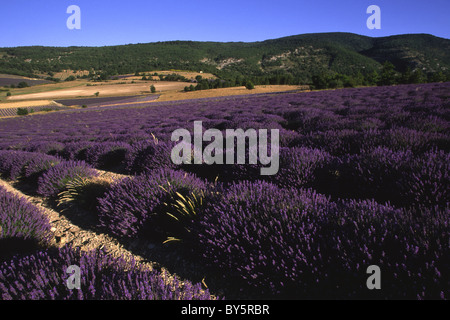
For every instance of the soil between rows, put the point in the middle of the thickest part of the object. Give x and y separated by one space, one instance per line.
76 227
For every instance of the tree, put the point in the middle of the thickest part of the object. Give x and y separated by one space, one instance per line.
372 79
406 76
388 75
22 111
152 89
249 85
22 84
320 81
8 94
417 76
97 94
436 77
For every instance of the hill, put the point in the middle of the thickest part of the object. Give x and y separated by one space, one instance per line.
300 56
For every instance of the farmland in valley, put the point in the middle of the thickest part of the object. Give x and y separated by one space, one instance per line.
363 180
104 89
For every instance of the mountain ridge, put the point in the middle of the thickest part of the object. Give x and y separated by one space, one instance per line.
301 56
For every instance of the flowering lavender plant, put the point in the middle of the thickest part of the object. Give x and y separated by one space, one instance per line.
55 179
42 276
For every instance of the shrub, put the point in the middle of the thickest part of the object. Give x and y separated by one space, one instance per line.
47 147
106 155
298 166
129 205
22 111
260 235
42 276
38 165
374 174
427 182
55 180
249 85
147 155
84 191
225 173
288 243
23 227
417 141
13 163
410 249
75 150
22 84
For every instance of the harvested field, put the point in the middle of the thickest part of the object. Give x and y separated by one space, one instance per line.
12 112
104 89
22 104
235 91
10 109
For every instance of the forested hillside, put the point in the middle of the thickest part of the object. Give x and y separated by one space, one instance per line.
294 59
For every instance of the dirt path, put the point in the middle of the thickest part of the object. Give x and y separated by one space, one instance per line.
68 233
75 227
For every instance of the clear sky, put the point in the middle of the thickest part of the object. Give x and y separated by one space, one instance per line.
112 22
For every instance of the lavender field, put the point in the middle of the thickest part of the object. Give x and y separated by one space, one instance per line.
364 180
98 102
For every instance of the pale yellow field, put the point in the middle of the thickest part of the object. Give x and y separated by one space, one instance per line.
22 104
104 89
174 96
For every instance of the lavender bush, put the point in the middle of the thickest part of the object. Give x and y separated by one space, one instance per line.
129 205
428 181
261 234
298 244
375 173
12 163
148 155
40 164
42 276
55 179
20 164
298 166
23 227
106 155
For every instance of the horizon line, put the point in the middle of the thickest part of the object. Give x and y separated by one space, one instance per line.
213 41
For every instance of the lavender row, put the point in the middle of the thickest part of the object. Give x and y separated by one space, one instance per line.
98 102
302 117
286 242
23 227
31 270
297 243
42 276
333 141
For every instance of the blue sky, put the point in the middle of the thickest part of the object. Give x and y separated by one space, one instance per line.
28 22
